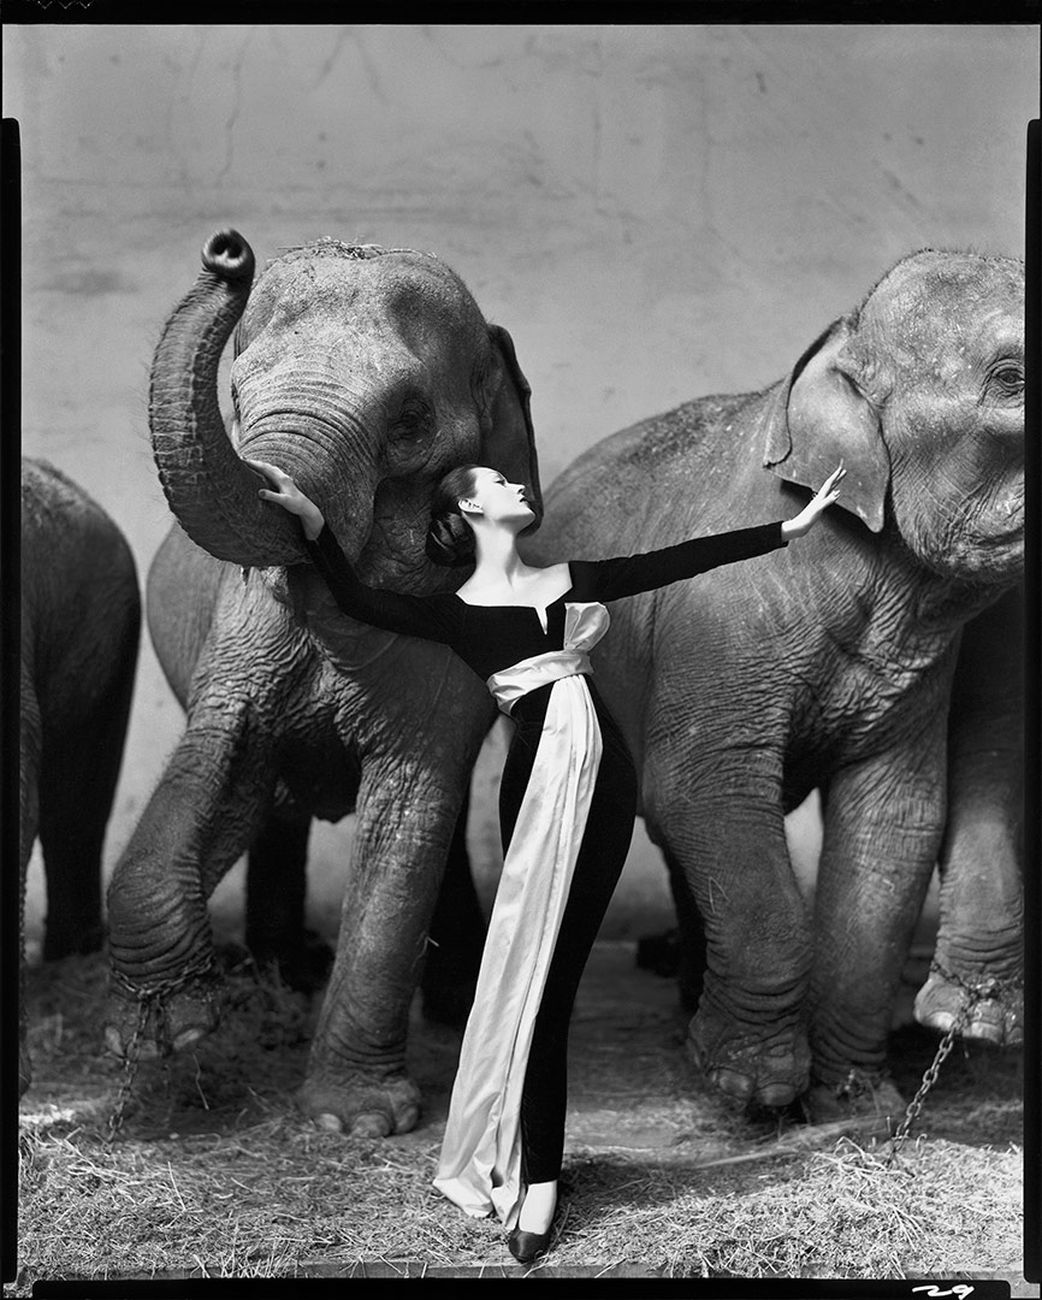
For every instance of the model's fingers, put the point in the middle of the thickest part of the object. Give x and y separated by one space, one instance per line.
272 471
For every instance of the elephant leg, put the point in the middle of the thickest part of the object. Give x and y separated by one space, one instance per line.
457 936
77 787
883 819
356 1077
723 828
78 777
978 967
276 891
196 825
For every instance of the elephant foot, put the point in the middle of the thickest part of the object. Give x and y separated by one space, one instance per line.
157 1024
861 1095
362 1106
770 1068
994 1011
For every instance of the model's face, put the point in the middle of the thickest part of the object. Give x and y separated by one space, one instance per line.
497 499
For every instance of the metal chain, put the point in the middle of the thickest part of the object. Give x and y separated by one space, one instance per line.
148 999
915 1106
130 1064
975 992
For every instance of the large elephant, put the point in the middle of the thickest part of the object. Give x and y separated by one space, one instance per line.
80 624
827 665
366 373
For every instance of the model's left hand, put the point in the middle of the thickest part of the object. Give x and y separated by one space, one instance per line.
815 507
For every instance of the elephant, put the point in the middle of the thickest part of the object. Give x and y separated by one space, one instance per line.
826 665
366 373
80 626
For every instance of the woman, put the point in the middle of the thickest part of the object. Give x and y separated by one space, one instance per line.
567 804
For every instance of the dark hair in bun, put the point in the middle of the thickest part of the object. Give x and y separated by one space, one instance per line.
450 540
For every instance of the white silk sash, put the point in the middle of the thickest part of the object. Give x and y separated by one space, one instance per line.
519 679
480 1165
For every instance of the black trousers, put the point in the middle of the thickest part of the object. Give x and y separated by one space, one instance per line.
602 853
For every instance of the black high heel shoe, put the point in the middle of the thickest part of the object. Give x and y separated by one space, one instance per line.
528 1246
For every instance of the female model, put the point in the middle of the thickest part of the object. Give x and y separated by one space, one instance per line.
567 804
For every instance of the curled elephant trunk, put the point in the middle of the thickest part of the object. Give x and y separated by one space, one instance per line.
211 491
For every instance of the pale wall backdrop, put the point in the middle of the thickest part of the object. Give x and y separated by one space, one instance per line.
655 212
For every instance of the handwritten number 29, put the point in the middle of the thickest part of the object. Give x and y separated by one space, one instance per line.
961 1290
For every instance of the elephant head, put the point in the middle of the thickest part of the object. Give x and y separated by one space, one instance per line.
364 372
920 393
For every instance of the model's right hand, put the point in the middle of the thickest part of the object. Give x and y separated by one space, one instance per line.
287 495
819 502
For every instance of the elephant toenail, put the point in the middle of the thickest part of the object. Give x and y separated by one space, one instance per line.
777 1094
408 1119
113 1041
735 1085
187 1037
331 1123
371 1125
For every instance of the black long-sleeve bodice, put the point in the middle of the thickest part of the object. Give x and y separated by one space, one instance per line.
490 638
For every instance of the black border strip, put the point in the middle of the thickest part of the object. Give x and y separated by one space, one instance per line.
10 656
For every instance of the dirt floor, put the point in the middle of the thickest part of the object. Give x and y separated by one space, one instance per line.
215 1173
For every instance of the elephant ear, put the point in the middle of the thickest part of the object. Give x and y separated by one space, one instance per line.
509 442
822 417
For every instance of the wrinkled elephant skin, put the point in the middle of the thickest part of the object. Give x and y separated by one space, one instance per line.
827 664
367 374
80 624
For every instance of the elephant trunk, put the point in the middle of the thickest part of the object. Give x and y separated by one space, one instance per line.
211 491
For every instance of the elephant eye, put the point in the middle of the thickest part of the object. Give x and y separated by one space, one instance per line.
415 420
1005 380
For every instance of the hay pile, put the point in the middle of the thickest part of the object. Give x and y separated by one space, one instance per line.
843 1213
215 1173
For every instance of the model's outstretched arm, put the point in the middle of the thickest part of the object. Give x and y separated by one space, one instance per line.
629 574
393 611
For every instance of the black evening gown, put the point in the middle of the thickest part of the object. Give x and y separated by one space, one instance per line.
567 805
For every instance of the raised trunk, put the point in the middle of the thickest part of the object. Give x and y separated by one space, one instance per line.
211 491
